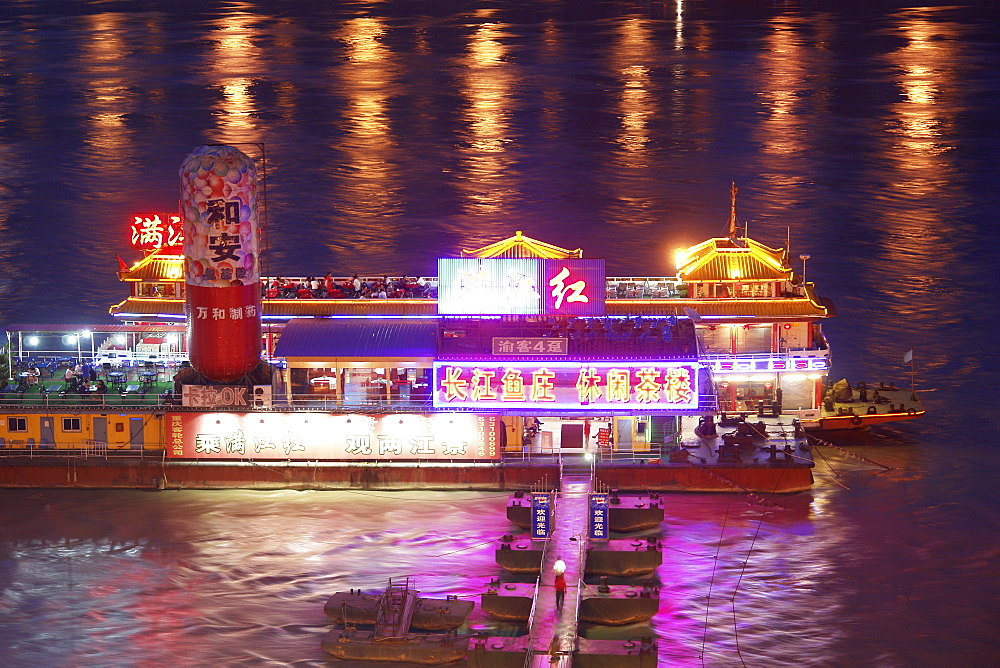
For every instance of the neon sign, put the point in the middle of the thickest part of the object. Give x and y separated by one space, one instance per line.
566 385
150 232
324 436
528 286
774 364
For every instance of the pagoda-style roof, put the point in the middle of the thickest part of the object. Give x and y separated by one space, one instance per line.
155 267
520 246
729 260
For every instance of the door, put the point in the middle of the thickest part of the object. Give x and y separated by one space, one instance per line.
45 432
135 432
572 435
623 435
101 430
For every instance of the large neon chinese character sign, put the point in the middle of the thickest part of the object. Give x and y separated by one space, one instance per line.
151 231
566 385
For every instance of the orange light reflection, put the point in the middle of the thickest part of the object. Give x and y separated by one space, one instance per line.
369 178
487 85
234 68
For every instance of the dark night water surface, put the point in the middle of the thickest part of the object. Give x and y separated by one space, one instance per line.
397 132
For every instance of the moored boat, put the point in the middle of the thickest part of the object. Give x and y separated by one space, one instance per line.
429 614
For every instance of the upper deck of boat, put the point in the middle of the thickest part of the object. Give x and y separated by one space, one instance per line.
624 296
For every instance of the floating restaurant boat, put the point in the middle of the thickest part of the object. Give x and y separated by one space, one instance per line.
476 378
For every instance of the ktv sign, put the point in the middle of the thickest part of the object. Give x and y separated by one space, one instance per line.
520 286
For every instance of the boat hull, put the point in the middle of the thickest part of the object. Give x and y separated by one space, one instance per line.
429 614
846 422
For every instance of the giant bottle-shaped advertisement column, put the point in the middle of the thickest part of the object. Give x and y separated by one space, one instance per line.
221 262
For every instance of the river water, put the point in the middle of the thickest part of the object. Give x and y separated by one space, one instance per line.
398 132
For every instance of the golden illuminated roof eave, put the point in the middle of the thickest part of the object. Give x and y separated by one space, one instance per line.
520 246
155 267
719 260
762 309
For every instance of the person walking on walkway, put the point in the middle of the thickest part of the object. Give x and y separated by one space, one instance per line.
559 569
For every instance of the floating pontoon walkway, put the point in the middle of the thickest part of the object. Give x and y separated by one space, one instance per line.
552 631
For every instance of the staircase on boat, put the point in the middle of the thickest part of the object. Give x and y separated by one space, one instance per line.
395 610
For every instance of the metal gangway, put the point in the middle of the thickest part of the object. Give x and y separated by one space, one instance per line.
552 631
395 610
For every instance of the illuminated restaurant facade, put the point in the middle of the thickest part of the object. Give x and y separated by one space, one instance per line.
513 340
513 333
758 323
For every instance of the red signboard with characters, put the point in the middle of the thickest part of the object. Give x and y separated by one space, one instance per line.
153 231
295 436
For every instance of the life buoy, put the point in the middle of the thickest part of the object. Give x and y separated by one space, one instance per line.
911 411
862 385
855 420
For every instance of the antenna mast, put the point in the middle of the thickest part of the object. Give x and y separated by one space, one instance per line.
732 210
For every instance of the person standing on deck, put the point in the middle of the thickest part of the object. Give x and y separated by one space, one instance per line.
559 569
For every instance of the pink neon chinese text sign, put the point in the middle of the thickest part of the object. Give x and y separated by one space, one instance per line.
564 385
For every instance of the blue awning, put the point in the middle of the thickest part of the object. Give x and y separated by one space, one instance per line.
358 338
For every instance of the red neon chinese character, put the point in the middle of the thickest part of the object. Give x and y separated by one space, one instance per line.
588 385
147 231
175 232
481 389
541 385
513 386
453 384
647 390
559 291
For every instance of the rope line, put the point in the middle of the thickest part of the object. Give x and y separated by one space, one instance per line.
820 441
711 582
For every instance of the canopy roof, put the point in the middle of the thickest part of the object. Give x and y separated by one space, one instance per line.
520 246
729 260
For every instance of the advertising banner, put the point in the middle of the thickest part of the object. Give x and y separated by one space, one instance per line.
529 286
296 436
567 385
541 513
599 517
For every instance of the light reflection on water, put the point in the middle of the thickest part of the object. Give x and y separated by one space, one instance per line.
239 576
395 136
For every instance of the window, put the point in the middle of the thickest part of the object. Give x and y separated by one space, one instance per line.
17 424
71 424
